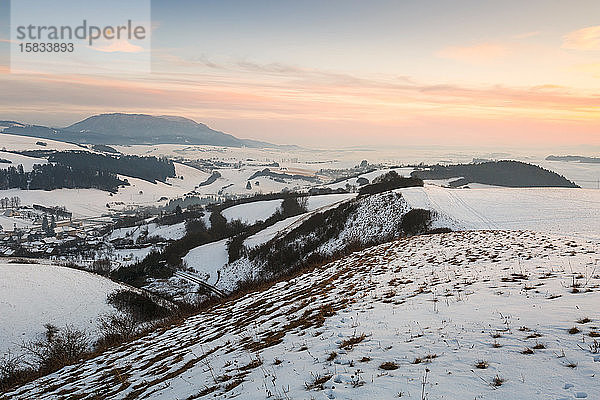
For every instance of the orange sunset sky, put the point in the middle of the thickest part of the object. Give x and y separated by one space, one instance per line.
348 73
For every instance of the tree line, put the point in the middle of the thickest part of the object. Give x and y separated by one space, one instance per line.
151 169
51 176
12 202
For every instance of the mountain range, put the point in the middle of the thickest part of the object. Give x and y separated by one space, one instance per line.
128 129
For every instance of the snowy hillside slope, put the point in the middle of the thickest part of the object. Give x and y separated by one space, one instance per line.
463 315
207 260
210 260
234 181
32 295
23 143
368 220
572 211
405 171
261 210
362 221
169 232
92 202
250 213
18 159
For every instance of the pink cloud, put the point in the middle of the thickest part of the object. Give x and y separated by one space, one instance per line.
122 46
583 39
476 54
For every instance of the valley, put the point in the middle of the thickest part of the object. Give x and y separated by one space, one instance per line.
270 272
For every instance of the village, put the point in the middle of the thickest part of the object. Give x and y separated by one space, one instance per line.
52 233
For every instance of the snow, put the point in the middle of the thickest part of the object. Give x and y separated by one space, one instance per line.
32 295
131 256
210 260
23 143
441 303
93 202
586 175
7 223
169 232
326 200
315 204
251 213
207 260
18 159
377 218
233 181
270 232
404 171
561 210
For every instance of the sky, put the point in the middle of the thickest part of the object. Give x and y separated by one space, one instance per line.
342 72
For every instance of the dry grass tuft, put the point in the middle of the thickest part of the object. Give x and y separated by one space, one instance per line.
349 343
389 366
317 382
497 381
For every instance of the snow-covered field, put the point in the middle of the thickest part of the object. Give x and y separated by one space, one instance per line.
93 202
261 210
8 223
207 260
370 176
250 213
585 175
464 315
573 212
169 232
18 159
23 143
32 295
568 211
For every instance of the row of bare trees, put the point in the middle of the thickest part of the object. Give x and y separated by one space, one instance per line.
13 202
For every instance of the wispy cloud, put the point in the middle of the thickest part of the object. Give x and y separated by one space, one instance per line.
276 95
121 46
526 35
592 69
481 53
583 39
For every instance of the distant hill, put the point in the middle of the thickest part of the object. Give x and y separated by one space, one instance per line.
498 173
127 129
580 159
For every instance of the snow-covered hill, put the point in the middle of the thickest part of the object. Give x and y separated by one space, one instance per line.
169 232
481 314
32 295
210 260
573 212
93 202
23 143
561 210
18 159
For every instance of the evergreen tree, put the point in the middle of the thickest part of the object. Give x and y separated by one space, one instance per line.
52 224
45 226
